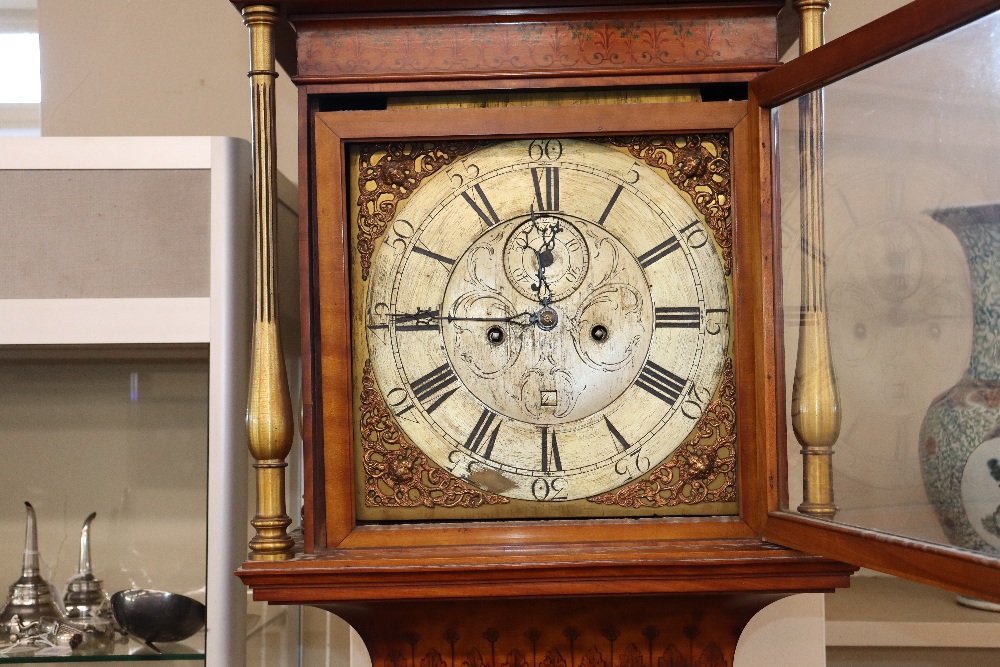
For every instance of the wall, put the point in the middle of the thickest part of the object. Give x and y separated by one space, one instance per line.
122 67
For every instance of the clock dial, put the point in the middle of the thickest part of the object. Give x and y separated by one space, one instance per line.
547 320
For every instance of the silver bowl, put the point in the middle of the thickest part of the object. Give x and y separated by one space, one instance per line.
157 616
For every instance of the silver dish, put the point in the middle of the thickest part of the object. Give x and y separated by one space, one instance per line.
157 616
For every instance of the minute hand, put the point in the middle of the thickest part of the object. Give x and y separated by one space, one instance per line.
513 319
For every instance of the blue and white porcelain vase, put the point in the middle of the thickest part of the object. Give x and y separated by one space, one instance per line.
960 434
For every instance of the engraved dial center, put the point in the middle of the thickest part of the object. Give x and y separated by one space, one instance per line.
550 369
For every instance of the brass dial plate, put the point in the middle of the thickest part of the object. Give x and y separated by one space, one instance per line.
545 320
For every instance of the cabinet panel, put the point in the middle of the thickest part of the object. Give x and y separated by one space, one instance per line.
138 239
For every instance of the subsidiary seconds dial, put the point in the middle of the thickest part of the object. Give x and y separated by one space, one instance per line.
547 319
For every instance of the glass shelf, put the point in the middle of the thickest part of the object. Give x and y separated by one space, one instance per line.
130 651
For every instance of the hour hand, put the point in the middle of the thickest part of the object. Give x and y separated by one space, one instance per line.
421 320
427 319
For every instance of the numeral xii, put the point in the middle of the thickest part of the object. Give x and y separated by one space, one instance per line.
546 180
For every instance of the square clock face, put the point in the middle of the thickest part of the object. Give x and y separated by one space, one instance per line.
541 327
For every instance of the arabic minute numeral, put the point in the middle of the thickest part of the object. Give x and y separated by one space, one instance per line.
402 231
695 234
545 488
546 150
714 328
634 464
469 171
632 176
399 403
693 406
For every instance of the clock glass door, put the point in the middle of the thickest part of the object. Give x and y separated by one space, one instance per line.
887 194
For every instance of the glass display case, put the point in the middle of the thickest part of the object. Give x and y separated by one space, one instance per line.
123 357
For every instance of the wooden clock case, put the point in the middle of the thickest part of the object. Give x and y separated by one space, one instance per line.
585 591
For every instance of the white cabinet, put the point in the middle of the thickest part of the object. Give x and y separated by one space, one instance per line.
124 338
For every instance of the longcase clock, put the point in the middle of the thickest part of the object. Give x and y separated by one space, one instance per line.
533 305
544 412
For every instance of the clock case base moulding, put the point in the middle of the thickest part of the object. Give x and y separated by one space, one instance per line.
576 632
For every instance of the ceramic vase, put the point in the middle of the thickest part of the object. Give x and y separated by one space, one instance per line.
960 434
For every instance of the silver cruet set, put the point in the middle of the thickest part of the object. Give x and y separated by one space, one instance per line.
34 621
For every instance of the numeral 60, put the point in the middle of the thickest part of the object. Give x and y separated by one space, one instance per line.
545 149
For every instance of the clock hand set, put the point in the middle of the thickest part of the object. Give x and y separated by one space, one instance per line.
543 255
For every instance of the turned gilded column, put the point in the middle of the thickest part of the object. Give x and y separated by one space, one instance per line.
815 399
269 407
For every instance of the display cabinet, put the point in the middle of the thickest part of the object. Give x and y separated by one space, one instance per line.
124 305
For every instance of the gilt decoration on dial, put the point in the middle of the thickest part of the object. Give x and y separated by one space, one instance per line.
549 319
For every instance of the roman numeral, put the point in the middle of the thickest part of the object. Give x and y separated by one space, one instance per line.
546 180
434 385
486 212
659 252
611 205
447 262
550 451
621 444
660 382
479 434
683 317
